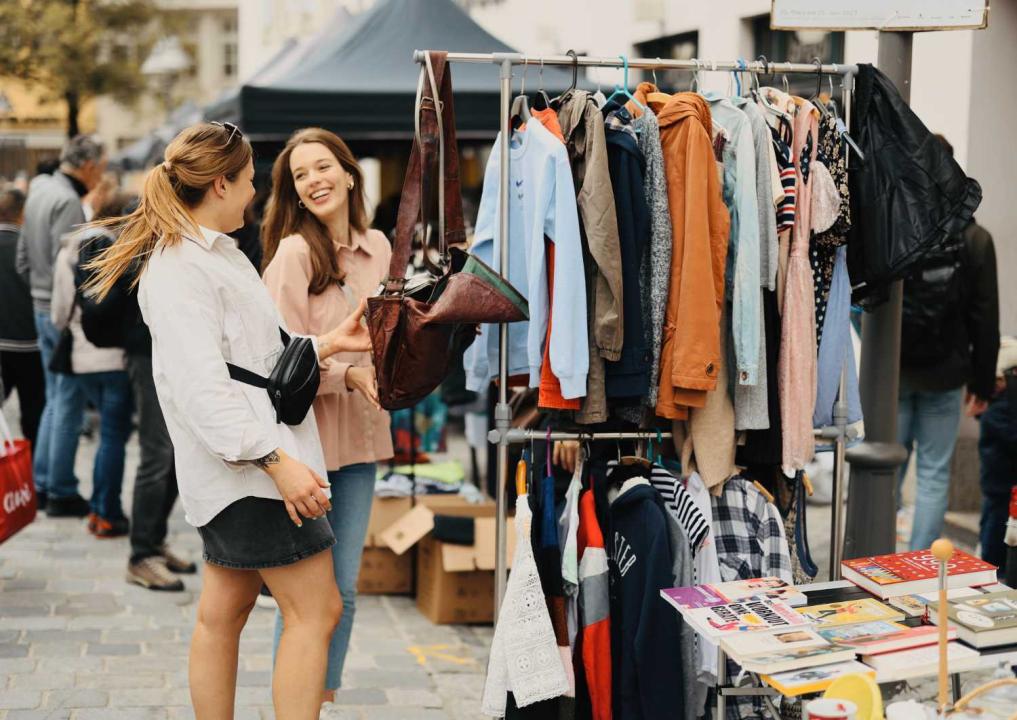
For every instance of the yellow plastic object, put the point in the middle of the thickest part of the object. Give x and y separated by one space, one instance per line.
862 690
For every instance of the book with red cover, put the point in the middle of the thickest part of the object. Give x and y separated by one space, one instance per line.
915 572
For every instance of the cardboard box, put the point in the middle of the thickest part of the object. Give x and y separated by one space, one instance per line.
382 572
455 583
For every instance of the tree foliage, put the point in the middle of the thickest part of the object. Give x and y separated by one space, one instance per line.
78 49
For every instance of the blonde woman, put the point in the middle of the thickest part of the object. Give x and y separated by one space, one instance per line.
252 487
321 260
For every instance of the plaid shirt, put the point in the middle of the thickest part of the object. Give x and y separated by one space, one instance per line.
750 540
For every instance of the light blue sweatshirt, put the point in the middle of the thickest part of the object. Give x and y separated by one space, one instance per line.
542 202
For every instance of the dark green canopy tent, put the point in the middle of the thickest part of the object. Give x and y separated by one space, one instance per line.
361 81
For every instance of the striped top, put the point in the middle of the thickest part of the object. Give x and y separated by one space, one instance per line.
788 181
681 506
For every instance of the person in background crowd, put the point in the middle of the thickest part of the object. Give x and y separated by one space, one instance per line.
997 453
152 564
99 378
20 361
250 485
52 210
97 197
949 342
322 259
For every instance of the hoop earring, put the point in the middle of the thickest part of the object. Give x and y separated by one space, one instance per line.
300 203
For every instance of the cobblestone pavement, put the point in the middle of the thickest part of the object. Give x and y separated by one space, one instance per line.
77 642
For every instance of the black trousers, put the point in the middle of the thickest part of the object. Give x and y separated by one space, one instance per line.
22 371
155 486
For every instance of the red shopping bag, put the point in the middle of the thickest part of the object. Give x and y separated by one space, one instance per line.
17 491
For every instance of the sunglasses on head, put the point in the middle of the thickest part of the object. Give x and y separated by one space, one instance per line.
234 130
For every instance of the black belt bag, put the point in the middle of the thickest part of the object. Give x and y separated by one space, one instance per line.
293 382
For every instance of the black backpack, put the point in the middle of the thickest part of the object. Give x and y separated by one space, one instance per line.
104 323
934 298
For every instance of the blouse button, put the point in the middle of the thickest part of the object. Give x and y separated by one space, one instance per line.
709 369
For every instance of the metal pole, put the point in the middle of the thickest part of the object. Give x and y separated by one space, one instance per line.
871 523
502 411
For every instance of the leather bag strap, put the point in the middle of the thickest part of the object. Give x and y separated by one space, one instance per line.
435 153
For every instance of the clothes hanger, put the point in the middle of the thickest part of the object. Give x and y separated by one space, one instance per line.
842 128
556 102
541 101
623 89
657 95
520 111
816 101
761 97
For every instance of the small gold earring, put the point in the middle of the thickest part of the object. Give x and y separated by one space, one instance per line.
349 185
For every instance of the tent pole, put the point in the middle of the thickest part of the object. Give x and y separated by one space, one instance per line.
502 411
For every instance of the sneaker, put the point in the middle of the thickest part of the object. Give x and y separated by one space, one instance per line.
152 573
111 528
93 519
73 506
177 564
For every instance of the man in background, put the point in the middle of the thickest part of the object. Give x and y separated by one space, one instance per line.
949 342
20 361
54 208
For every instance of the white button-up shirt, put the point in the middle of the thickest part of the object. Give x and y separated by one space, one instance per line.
205 306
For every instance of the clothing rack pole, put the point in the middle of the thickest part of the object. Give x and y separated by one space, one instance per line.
515 436
503 412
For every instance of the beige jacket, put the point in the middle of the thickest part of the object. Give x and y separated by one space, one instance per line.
582 125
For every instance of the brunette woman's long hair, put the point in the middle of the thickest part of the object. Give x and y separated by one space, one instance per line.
285 217
193 160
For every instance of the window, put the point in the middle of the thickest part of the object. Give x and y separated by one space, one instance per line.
799 46
230 52
683 46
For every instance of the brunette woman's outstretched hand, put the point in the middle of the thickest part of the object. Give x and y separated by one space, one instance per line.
350 335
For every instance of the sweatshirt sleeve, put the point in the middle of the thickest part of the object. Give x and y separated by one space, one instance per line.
657 641
288 279
982 316
569 349
62 299
66 216
596 204
746 302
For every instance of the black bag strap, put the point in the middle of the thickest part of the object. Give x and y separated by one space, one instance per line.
251 378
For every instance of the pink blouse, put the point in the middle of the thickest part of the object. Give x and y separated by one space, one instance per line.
351 430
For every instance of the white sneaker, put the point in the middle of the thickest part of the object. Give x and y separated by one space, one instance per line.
265 600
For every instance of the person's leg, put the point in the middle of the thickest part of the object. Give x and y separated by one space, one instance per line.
997 474
352 494
155 484
937 418
30 382
48 336
68 411
111 395
227 597
311 607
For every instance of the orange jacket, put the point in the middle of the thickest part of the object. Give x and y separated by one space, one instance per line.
690 354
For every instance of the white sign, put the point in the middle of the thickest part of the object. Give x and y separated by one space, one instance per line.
879 14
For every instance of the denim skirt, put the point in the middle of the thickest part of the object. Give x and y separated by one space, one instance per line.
256 533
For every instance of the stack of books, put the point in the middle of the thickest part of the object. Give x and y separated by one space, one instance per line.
908 573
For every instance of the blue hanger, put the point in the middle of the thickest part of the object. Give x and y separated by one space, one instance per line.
623 89
738 76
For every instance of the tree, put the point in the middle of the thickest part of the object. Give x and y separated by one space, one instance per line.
78 49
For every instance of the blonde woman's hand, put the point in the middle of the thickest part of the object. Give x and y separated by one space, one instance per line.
350 335
300 487
566 454
364 381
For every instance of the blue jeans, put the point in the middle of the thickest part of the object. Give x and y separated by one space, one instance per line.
352 494
927 423
997 452
110 393
60 426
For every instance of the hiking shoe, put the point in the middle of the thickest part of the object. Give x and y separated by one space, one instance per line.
73 506
111 528
175 563
152 573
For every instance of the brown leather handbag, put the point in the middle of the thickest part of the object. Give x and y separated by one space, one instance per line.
418 326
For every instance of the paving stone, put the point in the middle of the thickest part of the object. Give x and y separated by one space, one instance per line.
254 696
250 678
134 713
391 712
43 681
151 697
33 623
24 611
145 662
56 649
12 650
23 583
108 649
360 696
414 698
149 635
20 699
330 711
107 681
77 698
46 714
178 649
71 664
385 679
67 636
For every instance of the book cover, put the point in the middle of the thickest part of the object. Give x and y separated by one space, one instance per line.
698 596
813 680
914 605
918 565
849 612
749 616
748 644
986 620
803 657
860 633
921 661
902 639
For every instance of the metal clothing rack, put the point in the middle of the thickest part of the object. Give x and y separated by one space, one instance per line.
503 434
